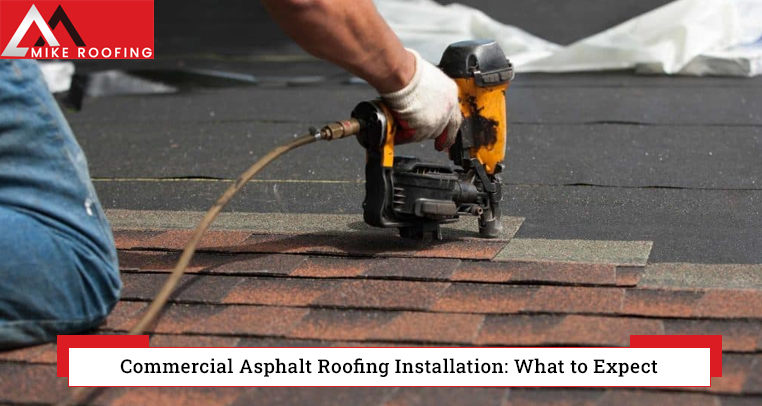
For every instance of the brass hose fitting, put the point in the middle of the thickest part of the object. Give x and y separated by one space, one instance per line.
339 129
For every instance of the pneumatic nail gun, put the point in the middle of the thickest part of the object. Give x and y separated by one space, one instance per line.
417 197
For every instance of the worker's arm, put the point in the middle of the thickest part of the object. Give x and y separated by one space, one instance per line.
352 34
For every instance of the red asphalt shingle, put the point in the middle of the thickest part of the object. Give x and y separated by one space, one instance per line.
212 240
528 272
640 397
288 244
564 330
383 294
259 264
122 313
172 396
161 340
266 290
200 262
430 327
331 325
138 260
175 319
315 396
332 267
440 396
128 239
737 335
469 249
661 303
24 383
278 291
250 320
413 268
473 298
554 397
564 299
366 292
730 304
628 275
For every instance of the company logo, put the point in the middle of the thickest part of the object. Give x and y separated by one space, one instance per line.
128 36
34 17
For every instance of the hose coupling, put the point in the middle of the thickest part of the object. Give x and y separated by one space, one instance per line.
339 129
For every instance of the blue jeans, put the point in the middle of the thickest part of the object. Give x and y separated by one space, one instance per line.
58 266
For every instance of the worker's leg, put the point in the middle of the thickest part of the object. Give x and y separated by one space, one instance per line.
58 268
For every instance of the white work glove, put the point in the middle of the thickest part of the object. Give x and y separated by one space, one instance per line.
427 107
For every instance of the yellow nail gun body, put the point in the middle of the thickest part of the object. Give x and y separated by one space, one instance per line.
417 196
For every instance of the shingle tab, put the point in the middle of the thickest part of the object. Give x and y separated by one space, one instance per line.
278 291
565 299
737 335
661 303
331 267
554 397
430 328
212 240
259 264
730 304
375 294
329 324
22 383
536 272
127 239
249 320
472 298
642 397
417 268
629 275
166 263
441 396
315 396
564 330
632 253
172 396
709 276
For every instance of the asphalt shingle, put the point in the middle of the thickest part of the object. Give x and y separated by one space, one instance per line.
577 251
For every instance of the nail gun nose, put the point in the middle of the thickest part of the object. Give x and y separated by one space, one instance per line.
339 129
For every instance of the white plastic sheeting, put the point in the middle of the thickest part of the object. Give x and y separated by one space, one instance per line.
692 37
429 27
57 75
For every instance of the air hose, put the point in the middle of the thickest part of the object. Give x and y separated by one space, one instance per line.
182 264
333 131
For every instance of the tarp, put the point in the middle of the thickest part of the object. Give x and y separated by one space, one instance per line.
691 37
57 75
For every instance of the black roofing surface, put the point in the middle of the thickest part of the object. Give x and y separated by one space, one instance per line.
592 156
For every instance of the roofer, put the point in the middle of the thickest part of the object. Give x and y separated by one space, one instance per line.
58 265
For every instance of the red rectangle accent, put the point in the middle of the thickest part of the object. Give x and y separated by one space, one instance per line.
100 341
121 29
713 342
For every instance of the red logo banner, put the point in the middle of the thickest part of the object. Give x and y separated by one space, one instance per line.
43 29
713 342
100 341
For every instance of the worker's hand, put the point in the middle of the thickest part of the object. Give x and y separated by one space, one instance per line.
427 107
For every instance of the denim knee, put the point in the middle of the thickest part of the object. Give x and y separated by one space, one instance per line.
49 283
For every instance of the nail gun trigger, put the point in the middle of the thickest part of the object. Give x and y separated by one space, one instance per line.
489 187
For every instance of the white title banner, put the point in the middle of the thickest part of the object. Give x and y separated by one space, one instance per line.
480 367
